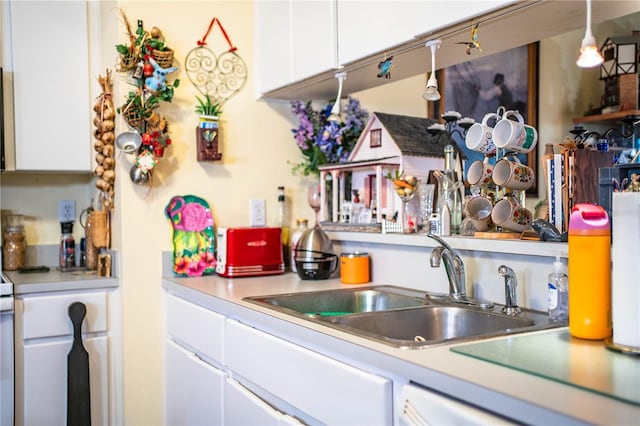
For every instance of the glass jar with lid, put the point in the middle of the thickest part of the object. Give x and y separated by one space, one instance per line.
14 248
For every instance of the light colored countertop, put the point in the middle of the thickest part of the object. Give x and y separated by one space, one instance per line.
527 397
55 280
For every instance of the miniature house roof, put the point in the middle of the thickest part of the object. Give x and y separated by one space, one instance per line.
409 134
620 55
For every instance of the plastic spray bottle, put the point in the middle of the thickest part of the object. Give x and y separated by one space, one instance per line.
558 284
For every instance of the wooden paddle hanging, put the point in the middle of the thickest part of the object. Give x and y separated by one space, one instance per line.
78 395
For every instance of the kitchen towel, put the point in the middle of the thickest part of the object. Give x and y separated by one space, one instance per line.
625 292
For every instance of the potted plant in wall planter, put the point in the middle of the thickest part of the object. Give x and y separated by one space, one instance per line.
208 130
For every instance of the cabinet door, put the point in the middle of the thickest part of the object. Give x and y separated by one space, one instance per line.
41 381
367 28
319 386
52 103
313 37
273 44
243 407
297 39
194 389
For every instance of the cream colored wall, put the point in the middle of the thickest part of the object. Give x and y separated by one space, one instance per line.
256 145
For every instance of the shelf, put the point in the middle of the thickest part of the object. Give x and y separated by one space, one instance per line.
614 116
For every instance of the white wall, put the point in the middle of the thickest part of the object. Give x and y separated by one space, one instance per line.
256 145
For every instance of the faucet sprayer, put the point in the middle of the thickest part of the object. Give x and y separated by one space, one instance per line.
510 294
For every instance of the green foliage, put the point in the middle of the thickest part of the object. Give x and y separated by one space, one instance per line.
207 107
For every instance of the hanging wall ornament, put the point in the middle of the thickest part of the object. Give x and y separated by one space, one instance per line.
148 61
217 78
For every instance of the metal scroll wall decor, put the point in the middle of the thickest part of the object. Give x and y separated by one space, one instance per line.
217 78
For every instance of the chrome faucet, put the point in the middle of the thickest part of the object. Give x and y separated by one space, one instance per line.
453 265
510 286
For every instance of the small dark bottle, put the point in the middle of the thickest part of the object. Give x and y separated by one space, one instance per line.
67 246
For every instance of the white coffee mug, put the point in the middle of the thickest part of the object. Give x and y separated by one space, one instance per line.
513 174
480 136
509 214
514 135
480 173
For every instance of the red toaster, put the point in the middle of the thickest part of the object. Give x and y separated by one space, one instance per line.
246 252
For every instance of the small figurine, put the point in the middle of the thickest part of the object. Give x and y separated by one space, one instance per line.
158 81
385 67
634 183
474 43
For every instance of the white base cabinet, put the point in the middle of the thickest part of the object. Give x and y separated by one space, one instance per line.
213 364
43 339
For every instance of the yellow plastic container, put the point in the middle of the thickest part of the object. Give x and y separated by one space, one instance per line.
589 273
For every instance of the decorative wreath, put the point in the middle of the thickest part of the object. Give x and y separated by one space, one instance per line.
148 61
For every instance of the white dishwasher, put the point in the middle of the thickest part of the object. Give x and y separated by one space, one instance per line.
421 406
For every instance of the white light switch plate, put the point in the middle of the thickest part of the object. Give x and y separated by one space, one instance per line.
257 212
67 211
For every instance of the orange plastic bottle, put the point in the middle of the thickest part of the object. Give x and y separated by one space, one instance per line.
589 272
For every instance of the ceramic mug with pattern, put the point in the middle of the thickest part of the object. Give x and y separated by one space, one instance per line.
513 174
509 214
480 173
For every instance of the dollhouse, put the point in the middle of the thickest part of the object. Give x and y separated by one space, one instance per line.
388 143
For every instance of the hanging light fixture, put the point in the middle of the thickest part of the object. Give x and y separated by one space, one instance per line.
335 110
431 93
590 55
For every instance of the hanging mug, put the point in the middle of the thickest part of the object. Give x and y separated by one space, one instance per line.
479 212
480 136
509 214
514 135
513 174
480 172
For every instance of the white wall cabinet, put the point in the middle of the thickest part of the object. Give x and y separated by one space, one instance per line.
44 336
295 40
46 55
364 30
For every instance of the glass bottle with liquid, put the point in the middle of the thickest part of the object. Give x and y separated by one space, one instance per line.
449 190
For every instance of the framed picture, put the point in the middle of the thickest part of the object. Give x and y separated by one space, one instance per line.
479 86
375 138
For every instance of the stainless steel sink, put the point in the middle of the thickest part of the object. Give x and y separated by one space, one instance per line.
342 301
401 317
417 327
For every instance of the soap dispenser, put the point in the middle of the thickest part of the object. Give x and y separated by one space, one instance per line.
558 284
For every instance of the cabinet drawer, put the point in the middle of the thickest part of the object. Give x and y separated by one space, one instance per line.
195 327
48 316
325 389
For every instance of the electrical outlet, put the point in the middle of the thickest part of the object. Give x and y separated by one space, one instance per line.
67 210
257 212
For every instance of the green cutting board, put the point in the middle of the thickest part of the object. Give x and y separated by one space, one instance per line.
556 355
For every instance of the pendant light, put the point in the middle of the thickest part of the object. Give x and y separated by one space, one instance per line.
431 93
590 55
335 110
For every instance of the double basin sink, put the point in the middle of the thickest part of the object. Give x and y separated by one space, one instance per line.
402 317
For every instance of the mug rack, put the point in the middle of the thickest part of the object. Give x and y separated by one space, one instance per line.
495 193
